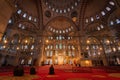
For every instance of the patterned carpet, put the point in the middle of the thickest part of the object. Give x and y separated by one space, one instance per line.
52 76
25 77
99 76
78 79
116 75
60 74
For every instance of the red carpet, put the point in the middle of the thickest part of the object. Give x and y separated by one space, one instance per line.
65 73
61 74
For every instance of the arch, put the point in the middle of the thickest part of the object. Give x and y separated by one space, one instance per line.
94 27
91 27
26 21
95 50
94 38
16 38
66 18
113 16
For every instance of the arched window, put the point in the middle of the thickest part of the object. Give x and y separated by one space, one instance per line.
47 61
57 38
60 46
32 47
64 46
53 9
73 53
60 37
57 10
68 9
47 53
68 46
56 46
51 53
35 19
30 18
22 61
98 28
53 30
66 30
101 26
69 29
31 53
92 19
69 53
60 11
97 17
112 3
63 31
56 61
51 46
64 10
26 46
24 15
111 23
48 47
108 8
50 61
103 13
10 21
60 31
30 61
20 25
86 20
19 11
118 21
56 31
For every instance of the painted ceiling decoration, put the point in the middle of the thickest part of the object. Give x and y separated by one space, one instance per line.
60 25
70 7
106 10
62 6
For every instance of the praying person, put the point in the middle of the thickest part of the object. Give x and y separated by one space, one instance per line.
51 70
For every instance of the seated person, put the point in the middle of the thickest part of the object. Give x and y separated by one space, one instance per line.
15 72
32 71
18 71
51 70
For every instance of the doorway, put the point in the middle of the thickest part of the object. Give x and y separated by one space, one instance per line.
60 60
